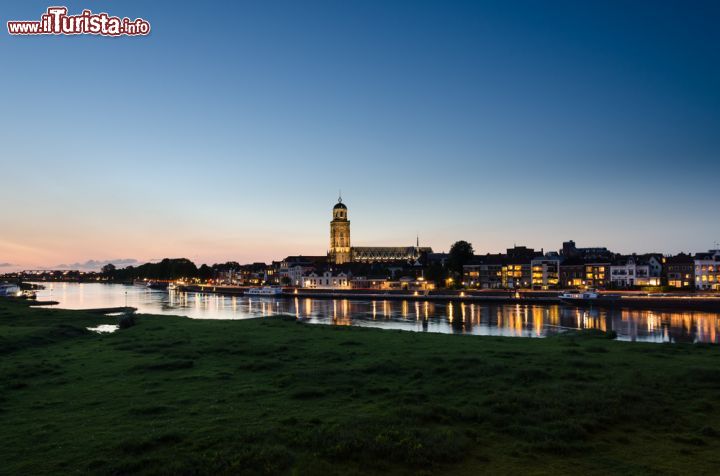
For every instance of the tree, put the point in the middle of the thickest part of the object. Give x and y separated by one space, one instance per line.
437 274
461 252
108 270
225 267
285 281
205 272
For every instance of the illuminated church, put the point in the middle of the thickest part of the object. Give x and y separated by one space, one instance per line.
341 252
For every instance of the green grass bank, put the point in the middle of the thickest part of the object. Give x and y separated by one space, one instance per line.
272 396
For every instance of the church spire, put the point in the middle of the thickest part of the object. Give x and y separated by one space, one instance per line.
339 196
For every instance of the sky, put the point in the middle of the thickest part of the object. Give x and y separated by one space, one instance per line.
227 132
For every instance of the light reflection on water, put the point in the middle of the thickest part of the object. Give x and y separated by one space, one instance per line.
424 316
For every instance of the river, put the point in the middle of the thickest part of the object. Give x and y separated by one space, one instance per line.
477 318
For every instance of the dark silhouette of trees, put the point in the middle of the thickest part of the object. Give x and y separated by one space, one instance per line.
205 272
461 252
436 273
108 270
166 269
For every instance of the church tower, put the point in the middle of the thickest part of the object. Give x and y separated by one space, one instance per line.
339 234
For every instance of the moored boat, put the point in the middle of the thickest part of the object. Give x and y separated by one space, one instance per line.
10 290
580 296
587 297
157 285
264 291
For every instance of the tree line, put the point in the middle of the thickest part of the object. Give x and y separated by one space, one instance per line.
168 269
460 253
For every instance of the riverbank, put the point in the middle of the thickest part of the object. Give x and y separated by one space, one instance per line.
619 300
174 395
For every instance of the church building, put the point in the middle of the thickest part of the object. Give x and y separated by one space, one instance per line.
341 252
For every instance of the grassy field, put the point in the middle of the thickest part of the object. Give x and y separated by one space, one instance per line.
273 396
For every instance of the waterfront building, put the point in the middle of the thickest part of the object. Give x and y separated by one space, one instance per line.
254 273
368 282
578 273
707 271
294 274
326 280
643 276
342 252
407 283
680 271
387 254
516 271
546 271
629 271
270 275
597 275
436 259
514 276
509 270
231 276
485 271
569 250
572 273
655 263
295 267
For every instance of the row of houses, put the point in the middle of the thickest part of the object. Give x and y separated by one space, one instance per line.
345 280
573 267
518 268
314 272
701 271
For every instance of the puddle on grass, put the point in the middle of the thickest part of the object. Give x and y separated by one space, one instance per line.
104 328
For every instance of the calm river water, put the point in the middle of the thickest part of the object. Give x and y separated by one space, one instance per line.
481 319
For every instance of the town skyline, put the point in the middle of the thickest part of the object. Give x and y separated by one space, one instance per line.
93 264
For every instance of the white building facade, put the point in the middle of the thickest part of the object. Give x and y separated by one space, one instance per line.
707 271
326 280
630 272
295 274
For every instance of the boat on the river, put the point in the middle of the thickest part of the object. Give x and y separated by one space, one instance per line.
15 290
157 285
264 291
587 297
10 290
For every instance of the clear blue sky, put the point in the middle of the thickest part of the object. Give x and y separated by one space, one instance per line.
227 132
